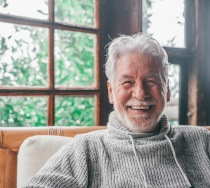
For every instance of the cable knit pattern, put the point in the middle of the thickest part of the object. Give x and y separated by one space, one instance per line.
175 157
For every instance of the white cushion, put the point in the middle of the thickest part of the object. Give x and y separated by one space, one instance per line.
34 152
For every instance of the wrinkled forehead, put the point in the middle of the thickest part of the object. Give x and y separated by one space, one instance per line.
132 63
138 58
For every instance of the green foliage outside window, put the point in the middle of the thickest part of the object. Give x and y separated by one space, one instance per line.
78 12
24 63
23 111
24 56
77 111
74 59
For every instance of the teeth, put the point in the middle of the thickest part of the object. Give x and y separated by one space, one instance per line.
140 107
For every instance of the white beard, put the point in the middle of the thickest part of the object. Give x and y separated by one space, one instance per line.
149 121
150 124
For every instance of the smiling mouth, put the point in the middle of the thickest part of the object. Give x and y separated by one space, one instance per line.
138 107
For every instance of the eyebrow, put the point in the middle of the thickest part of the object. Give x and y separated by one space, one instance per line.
123 77
153 75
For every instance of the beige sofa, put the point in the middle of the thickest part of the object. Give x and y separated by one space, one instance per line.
15 166
24 150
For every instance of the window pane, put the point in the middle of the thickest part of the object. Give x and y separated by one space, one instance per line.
23 111
172 107
74 59
165 21
74 111
174 74
27 8
24 55
75 12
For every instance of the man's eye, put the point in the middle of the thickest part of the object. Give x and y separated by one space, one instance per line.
151 82
127 83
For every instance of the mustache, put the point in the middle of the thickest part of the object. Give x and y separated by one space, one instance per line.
135 102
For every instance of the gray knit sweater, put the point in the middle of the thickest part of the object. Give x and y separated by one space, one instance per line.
176 157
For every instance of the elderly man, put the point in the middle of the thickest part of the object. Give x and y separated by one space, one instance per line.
139 148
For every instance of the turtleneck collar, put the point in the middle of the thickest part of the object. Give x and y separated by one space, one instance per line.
119 131
116 128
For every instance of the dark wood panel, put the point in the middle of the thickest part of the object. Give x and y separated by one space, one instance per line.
199 70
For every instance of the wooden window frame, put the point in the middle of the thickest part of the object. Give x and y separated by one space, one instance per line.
51 91
125 18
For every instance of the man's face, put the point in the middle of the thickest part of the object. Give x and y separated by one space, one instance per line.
139 92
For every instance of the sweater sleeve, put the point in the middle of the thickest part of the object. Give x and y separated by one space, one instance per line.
67 168
208 141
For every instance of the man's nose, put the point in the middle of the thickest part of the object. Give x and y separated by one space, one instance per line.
140 92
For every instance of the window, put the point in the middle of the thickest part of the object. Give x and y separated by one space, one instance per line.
49 71
172 107
166 21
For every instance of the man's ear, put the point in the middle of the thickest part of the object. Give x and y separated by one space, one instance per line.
168 93
110 94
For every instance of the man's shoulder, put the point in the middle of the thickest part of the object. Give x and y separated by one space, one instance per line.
97 133
191 129
93 135
82 142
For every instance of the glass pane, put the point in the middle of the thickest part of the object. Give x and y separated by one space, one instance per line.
27 8
74 59
174 74
24 55
74 111
165 21
80 12
23 111
172 107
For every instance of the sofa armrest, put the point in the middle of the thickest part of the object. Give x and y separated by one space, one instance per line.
12 137
34 153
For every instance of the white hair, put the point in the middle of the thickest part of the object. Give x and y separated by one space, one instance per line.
139 43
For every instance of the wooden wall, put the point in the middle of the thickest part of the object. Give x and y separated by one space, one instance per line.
199 70
124 17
